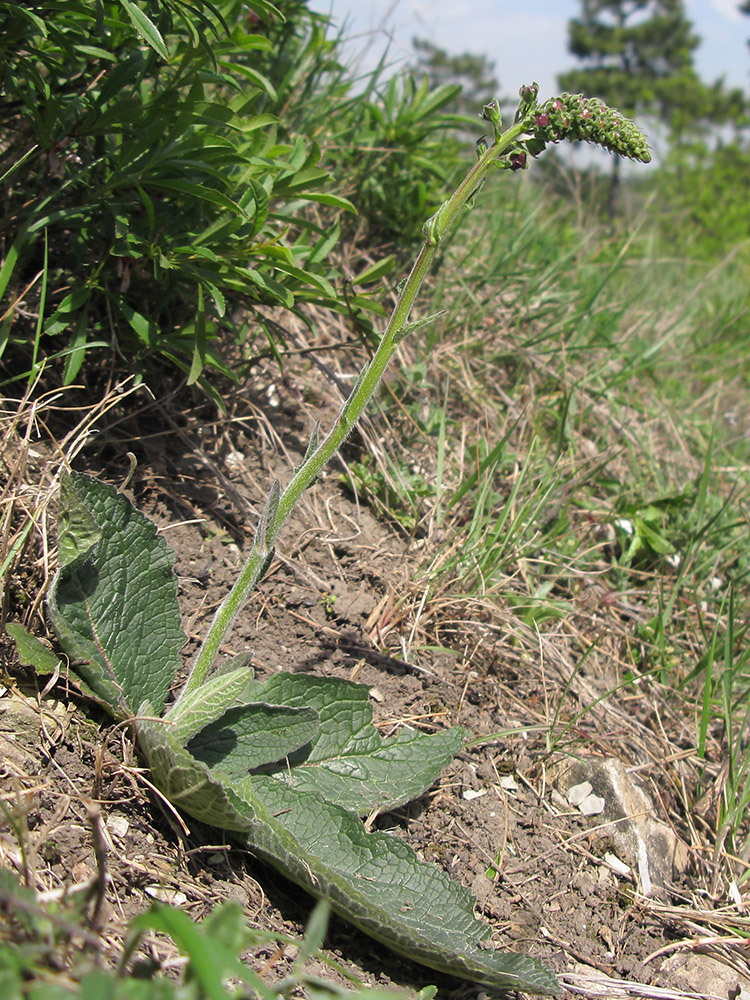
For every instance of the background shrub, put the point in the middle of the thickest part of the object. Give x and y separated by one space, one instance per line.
159 162
145 196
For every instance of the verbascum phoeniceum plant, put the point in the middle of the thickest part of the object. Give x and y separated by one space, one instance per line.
289 765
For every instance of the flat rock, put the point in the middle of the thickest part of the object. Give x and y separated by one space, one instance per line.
642 839
705 975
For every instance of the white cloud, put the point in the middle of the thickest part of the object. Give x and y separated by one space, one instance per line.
527 39
728 9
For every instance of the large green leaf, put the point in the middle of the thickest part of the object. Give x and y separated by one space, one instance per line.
347 762
113 601
374 880
377 883
250 736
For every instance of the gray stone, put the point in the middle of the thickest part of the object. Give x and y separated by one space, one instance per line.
703 974
628 819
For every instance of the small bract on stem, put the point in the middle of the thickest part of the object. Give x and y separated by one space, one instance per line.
572 117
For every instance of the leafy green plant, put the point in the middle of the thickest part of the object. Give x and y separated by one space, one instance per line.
400 157
36 929
474 72
289 764
386 137
146 196
700 198
726 686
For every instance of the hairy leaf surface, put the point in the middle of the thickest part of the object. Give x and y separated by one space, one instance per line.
248 736
114 600
198 709
347 762
374 880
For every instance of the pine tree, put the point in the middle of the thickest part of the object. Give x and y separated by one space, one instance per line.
639 55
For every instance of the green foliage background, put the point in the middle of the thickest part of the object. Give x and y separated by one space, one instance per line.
177 177
163 182
145 197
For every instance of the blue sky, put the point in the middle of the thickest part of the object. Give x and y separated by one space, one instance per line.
527 38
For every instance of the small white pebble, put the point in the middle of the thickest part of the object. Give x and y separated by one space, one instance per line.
592 805
643 872
509 783
616 865
376 695
736 898
558 801
117 825
471 793
577 793
172 896
272 396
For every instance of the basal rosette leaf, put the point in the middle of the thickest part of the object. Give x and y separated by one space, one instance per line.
347 761
376 882
247 737
187 782
77 530
31 651
373 880
113 602
199 708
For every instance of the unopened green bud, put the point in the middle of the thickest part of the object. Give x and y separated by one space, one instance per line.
491 113
528 95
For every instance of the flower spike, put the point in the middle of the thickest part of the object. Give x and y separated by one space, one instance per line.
586 119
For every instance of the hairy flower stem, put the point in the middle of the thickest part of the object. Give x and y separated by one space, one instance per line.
509 150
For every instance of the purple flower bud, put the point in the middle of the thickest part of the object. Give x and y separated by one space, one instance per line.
517 161
542 120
